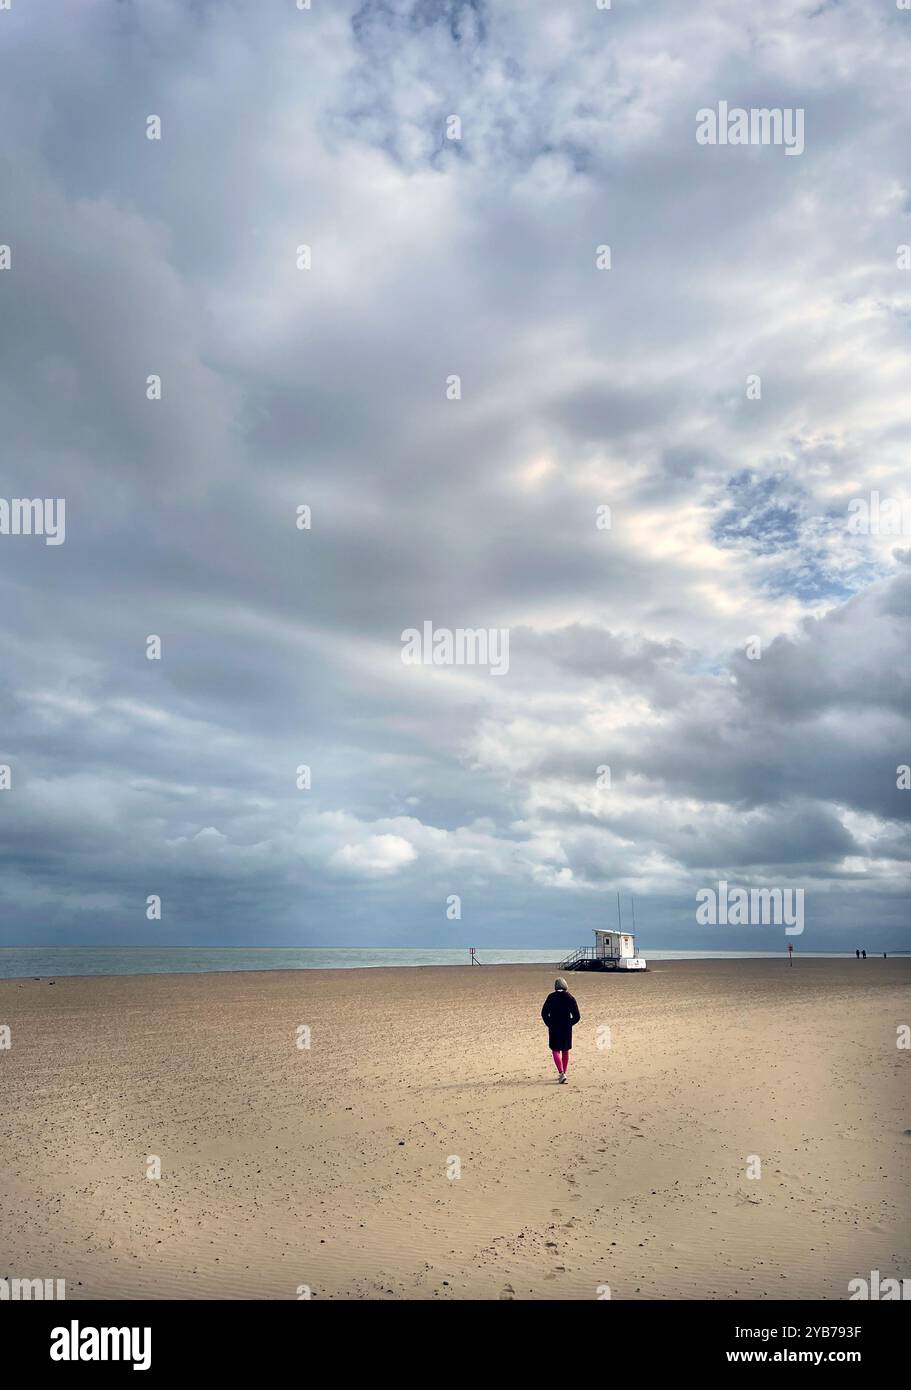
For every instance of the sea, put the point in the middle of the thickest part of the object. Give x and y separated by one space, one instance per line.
23 962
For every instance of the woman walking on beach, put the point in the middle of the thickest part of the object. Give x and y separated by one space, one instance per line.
560 1013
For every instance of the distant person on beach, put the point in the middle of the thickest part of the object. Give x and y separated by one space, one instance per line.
857 954
560 1013
863 955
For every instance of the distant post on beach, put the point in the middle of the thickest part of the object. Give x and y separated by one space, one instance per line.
473 958
790 953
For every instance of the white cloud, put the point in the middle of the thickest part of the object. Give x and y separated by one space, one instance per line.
580 388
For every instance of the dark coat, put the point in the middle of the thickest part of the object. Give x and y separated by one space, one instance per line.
560 1012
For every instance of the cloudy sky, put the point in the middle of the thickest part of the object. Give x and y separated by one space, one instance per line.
734 654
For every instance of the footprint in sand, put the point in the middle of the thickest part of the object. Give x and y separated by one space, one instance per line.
507 1293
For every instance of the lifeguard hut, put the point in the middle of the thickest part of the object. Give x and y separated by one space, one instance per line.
613 950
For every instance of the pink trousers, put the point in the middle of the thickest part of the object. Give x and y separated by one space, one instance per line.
562 1061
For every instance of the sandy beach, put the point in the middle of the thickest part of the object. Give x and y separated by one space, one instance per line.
334 1166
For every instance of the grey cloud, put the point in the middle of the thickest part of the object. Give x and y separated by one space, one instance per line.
580 389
